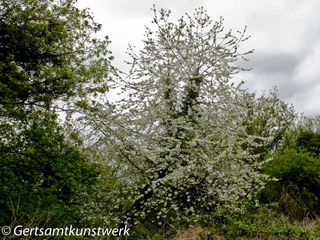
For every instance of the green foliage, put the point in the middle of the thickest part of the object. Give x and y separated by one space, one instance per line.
263 222
102 202
40 170
297 169
292 165
48 51
310 142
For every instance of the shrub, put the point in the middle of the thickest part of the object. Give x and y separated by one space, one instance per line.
298 187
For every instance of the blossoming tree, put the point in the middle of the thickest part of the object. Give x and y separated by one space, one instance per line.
181 132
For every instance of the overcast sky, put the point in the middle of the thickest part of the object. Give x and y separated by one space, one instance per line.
285 36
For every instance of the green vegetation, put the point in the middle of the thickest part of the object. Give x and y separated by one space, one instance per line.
297 168
185 154
42 174
47 53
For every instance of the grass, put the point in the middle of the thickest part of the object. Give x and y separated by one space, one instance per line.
262 223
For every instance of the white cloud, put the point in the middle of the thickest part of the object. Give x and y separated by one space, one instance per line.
309 70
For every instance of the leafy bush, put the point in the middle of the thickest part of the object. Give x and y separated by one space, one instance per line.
264 222
309 141
42 174
298 187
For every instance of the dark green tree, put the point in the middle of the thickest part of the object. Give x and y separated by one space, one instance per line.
43 175
48 51
297 168
48 54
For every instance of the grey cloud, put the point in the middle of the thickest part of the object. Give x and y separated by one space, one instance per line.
273 69
282 70
271 63
142 9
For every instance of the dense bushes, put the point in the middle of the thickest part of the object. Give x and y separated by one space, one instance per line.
47 53
263 222
297 169
42 174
